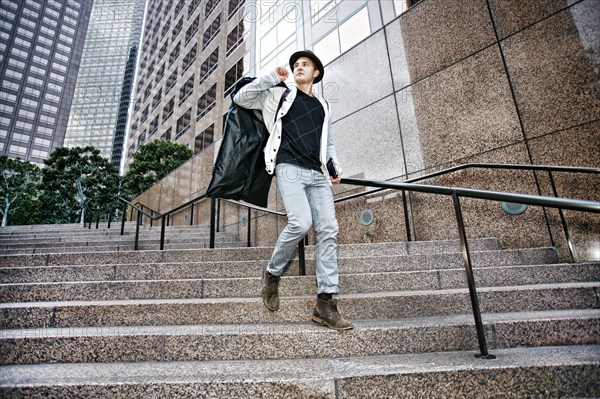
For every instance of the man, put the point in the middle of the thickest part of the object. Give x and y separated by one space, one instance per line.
297 151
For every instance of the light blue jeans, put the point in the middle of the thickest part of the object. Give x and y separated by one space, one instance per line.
308 200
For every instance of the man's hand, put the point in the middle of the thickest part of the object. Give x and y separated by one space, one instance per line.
337 180
282 73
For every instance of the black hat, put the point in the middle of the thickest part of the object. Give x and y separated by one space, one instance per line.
313 57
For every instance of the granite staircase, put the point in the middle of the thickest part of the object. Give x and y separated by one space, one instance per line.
83 315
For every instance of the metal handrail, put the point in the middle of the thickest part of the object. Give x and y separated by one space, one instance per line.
546 168
456 194
213 224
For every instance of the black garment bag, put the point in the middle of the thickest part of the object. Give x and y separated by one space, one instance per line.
239 171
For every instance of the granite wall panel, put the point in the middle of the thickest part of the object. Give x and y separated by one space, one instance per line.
555 72
370 134
438 33
510 17
461 111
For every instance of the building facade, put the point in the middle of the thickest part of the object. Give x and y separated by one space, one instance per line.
422 89
40 49
105 82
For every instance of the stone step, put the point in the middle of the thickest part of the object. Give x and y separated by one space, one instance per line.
549 372
78 228
294 285
253 268
291 341
531 256
128 245
382 305
379 249
88 240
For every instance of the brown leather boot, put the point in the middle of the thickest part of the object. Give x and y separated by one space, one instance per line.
325 313
270 290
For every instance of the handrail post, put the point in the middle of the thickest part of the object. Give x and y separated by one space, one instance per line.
213 211
123 218
137 230
406 217
162 232
249 226
563 221
192 214
471 280
218 214
301 258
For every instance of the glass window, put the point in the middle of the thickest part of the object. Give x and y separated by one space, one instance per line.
189 59
25 114
207 102
352 31
192 7
234 74
7 109
212 31
186 90
209 65
210 6
174 54
29 102
17 151
47 31
171 80
22 42
10 4
52 12
156 99
204 139
168 109
49 22
355 29
25 32
177 28
235 38
154 125
144 114
191 32
234 5
328 48
6 25
47 119
10 73
183 123
42 50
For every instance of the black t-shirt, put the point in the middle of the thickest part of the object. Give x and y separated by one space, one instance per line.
301 139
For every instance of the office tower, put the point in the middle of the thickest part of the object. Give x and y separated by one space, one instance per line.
40 50
105 81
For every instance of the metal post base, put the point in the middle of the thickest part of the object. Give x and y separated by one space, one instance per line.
485 357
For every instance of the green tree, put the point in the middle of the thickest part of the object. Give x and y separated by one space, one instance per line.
77 180
153 161
19 185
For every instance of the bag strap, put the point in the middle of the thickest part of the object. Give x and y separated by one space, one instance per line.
281 100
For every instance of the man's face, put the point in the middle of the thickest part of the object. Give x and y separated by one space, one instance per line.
304 70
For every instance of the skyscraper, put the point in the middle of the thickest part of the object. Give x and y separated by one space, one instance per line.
102 93
40 48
